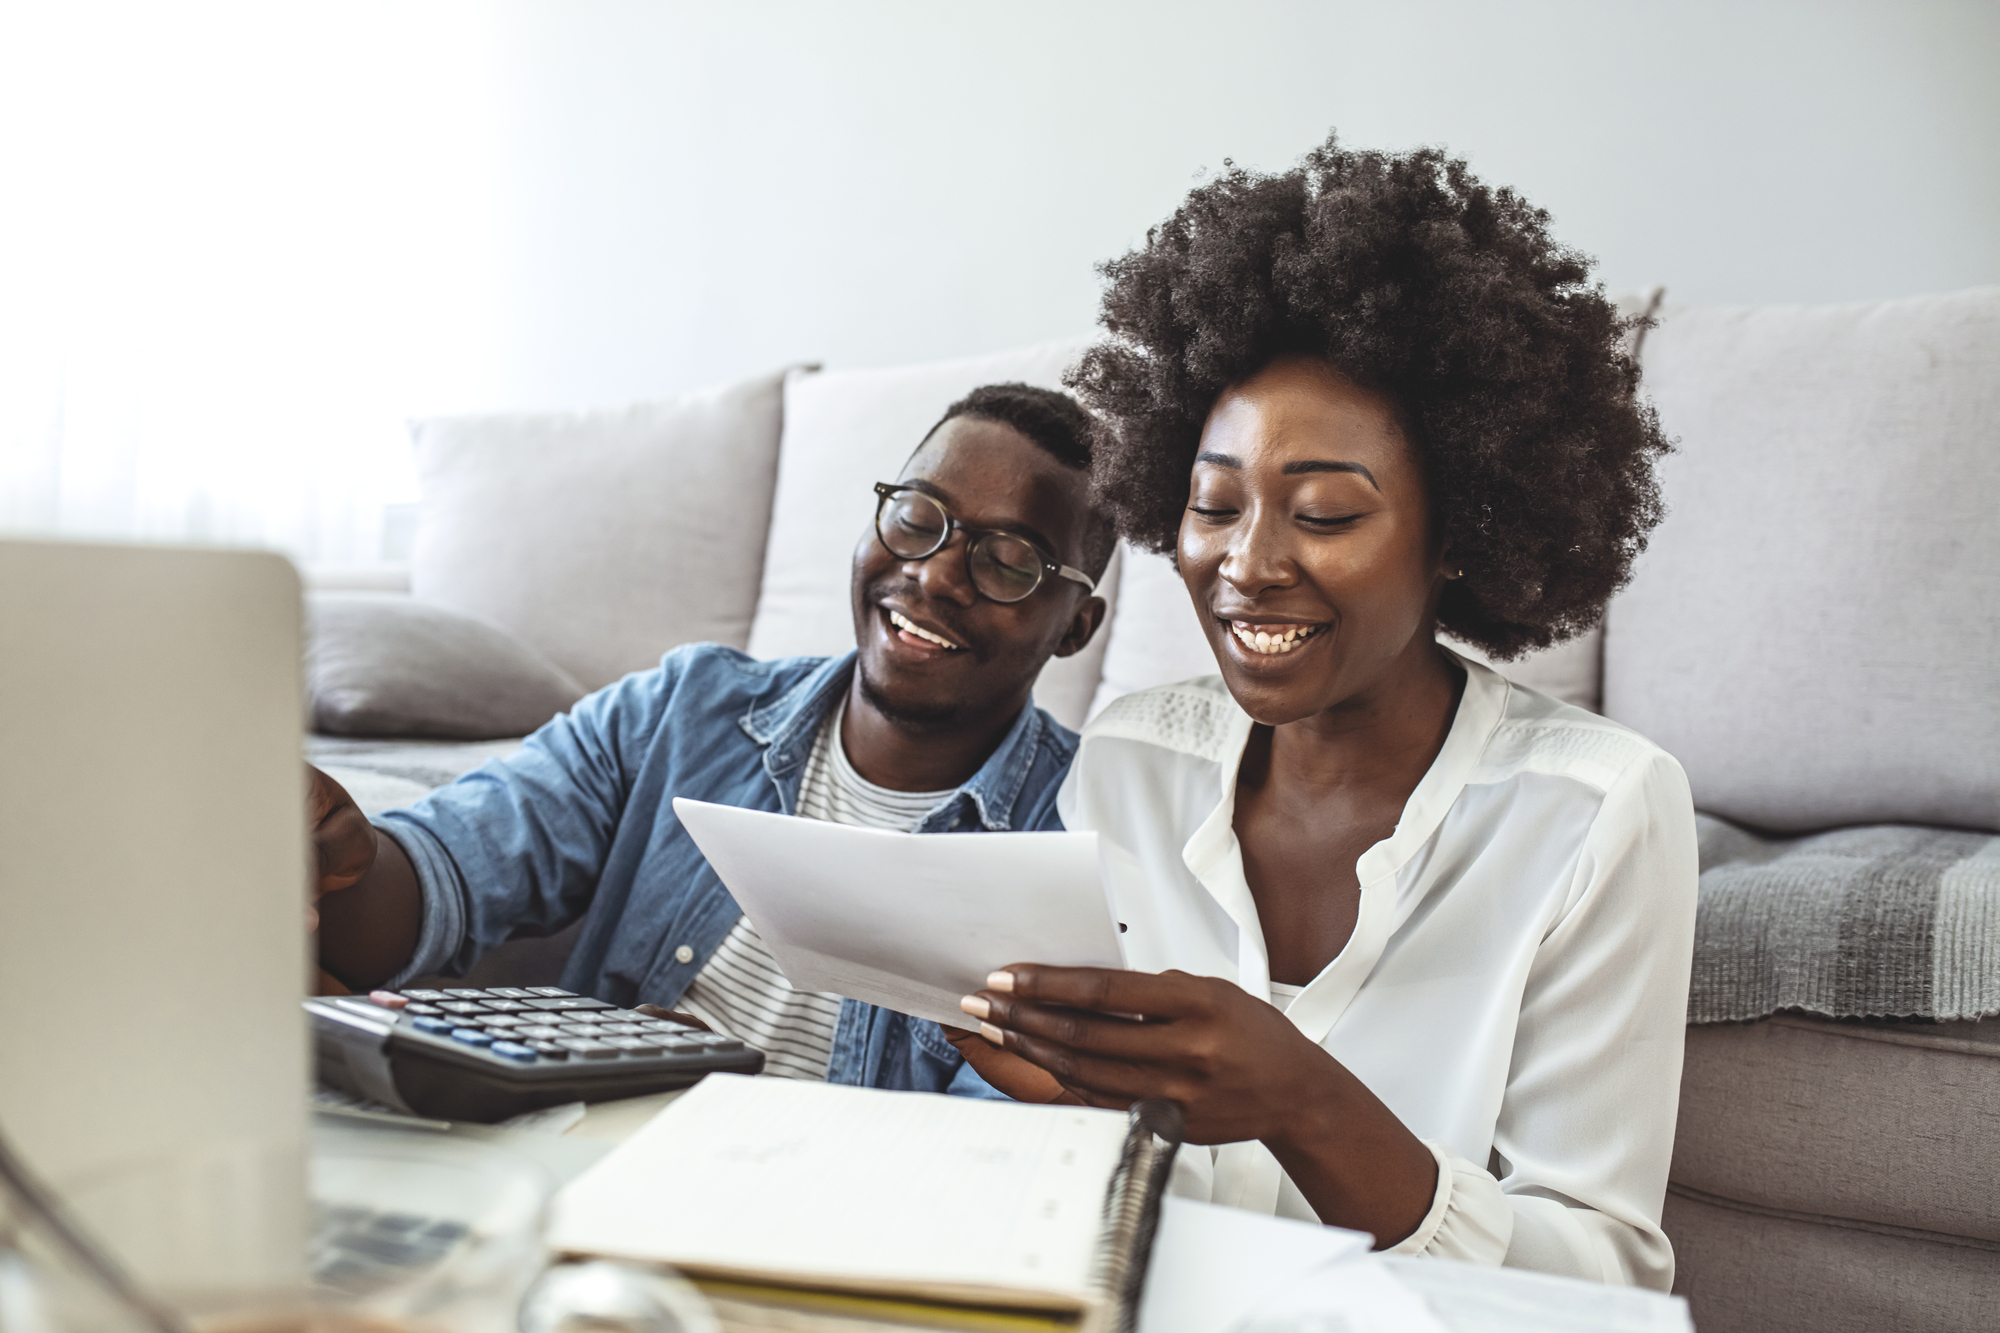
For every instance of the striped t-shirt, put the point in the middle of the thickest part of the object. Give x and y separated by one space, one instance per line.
740 992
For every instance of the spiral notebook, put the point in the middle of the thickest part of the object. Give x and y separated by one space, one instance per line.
858 1205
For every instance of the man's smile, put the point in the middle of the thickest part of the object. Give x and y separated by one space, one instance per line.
909 631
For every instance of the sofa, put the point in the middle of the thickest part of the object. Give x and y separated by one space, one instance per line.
1814 631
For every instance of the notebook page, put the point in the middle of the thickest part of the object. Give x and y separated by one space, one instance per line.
814 1182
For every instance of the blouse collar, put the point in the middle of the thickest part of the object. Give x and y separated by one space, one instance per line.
1215 857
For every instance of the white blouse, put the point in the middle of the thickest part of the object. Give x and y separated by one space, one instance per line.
1515 989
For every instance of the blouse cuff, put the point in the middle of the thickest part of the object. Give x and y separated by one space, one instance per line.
1470 1219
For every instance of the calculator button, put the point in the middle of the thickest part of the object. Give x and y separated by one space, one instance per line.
514 1051
388 999
471 1037
554 992
539 1032
428 996
509 993
680 1045
663 1027
548 1049
589 1050
463 1007
504 1006
586 1030
419 1007
492 1021
619 1016
634 1045
622 1030
566 1003
466 994
437 1025
715 1042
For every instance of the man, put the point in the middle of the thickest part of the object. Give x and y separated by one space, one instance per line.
980 566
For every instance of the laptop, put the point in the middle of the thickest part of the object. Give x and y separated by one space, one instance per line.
153 882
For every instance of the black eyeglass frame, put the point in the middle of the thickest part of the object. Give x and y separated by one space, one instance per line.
886 491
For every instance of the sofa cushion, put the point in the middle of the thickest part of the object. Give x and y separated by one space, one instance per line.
1759 1270
1887 1124
1811 632
844 431
1838 1177
602 539
381 664
1155 639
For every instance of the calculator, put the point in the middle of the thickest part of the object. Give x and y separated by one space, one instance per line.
485 1055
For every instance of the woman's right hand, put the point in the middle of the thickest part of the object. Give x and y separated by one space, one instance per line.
343 839
1007 1072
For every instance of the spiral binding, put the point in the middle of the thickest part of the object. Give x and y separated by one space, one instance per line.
1132 1207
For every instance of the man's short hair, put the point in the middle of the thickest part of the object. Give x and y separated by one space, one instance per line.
1056 422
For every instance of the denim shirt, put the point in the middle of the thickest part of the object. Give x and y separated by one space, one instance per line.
580 823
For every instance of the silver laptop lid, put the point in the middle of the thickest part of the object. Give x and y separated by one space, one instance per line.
152 892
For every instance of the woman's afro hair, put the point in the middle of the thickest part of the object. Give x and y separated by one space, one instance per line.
1412 278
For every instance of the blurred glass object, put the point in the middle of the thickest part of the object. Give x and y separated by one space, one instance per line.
408 1233
604 1297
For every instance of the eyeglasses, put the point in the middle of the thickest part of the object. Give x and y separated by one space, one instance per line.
1003 566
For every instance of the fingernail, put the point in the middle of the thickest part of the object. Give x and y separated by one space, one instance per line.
1000 981
993 1034
975 1006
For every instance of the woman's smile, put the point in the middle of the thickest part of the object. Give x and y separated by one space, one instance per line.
1271 639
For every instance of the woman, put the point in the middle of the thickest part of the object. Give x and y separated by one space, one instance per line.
1410 944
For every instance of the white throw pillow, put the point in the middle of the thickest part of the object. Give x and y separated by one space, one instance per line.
844 431
602 539
1812 631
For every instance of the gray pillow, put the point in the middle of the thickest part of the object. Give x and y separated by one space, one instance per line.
602 539
381 664
1812 630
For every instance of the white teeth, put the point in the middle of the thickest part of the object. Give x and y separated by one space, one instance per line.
1271 641
902 622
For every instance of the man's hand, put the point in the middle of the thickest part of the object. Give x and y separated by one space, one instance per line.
670 1016
343 839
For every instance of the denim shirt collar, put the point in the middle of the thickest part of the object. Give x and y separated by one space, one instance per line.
787 726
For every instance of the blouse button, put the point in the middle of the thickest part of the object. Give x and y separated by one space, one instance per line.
684 954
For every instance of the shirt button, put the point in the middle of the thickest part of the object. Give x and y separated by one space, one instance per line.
684 954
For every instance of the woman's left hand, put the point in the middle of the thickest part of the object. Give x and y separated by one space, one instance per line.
1239 1068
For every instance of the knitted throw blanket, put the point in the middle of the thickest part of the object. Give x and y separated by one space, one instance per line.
1888 921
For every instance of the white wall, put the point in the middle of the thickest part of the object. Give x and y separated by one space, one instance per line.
241 242
692 191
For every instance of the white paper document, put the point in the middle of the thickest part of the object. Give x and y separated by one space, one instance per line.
907 921
1471 1299
1214 1267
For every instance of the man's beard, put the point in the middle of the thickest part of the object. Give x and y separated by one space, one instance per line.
909 717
